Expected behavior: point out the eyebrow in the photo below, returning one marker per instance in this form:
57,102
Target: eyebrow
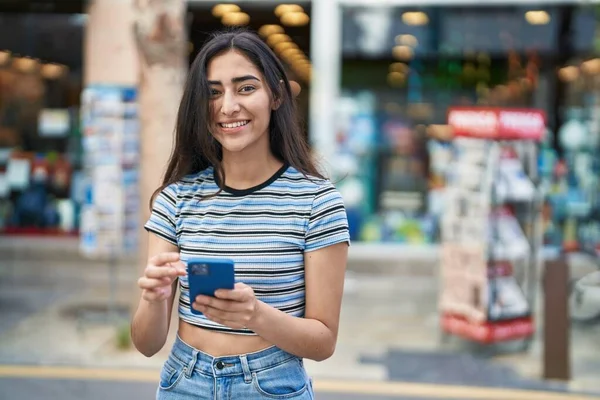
237,79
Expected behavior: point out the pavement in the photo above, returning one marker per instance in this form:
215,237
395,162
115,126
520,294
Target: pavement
54,306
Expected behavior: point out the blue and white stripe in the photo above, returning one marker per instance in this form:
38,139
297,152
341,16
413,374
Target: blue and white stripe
265,230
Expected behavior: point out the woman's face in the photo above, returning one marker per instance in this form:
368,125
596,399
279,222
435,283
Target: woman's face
240,104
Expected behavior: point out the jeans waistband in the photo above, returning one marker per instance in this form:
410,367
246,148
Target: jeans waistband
243,364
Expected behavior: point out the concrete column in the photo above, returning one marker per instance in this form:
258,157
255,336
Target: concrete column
326,32
110,54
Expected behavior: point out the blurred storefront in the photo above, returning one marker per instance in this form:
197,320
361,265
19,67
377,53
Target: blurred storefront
54,55
398,68
383,77
40,141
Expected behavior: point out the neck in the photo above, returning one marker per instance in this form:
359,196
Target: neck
242,172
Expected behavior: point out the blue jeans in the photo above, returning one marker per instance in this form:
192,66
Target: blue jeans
189,373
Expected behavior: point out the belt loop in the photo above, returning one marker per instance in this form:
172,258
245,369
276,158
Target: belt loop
191,364
246,369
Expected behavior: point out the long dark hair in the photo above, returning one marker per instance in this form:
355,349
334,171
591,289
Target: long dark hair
195,148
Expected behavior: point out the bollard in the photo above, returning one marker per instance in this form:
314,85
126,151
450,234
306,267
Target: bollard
557,360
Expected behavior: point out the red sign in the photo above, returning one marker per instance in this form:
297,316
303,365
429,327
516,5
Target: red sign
497,123
488,332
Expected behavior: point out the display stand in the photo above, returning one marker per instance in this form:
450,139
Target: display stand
110,213
489,228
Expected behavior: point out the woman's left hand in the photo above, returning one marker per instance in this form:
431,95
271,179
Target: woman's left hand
233,308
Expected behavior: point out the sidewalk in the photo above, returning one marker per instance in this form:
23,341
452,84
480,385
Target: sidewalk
388,331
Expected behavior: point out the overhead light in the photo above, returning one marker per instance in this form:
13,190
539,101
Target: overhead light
568,74
303,62
402,52
291,52
53,71
235,19
295,18
220,10
408,40
278,38
591,67
283,46
537,17
267,30
396,78
298,59
4,56
287,8
303,67
25,64
415,18
399,67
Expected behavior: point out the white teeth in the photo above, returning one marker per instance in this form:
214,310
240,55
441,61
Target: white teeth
234,124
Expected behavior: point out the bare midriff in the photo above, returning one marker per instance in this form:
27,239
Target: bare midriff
218,344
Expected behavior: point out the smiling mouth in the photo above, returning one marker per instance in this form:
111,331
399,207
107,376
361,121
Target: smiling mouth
234,124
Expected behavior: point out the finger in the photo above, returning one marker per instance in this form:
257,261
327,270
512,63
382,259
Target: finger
219,304
240,292
223,321
161,272
164,258
180,266
149,283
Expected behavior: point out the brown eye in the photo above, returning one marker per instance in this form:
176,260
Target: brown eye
247,89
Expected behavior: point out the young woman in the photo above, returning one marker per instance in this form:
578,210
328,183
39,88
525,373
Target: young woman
241,185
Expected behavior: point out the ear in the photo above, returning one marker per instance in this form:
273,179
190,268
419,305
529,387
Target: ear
296,89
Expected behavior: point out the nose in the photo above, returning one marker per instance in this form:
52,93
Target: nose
229,105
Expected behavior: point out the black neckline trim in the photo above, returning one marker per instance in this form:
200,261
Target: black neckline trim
245,192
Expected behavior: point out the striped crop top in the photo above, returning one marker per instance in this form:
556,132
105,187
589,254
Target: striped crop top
265,230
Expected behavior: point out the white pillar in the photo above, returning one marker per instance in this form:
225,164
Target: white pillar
326,32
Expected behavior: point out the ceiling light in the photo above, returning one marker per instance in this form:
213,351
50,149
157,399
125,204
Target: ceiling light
283,46
53,71
298,59
220,10
402,52
287,8
25,64
408,40
568,74
235,19
278,38
399,67
295,19
591,67
396,78
4,56
537,17
291,52
268,30
415,18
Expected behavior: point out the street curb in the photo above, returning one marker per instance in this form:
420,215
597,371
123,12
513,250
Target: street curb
378,388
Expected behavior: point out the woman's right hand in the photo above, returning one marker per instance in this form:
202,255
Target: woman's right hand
159,275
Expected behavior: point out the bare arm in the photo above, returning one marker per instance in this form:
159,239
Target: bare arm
150,324
314,336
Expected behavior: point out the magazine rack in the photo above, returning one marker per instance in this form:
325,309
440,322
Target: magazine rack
490,232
